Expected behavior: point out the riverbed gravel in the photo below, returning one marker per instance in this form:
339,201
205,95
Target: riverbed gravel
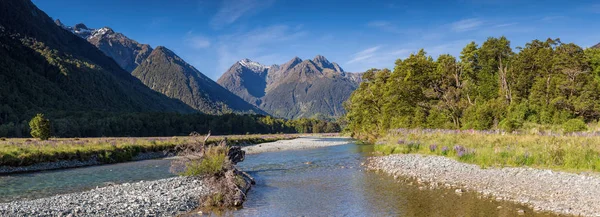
543,190
296,144
64,164
165,197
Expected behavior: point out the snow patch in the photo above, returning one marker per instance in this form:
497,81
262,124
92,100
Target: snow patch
254,66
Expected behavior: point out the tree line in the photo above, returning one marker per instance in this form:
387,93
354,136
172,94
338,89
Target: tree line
100,124
487,87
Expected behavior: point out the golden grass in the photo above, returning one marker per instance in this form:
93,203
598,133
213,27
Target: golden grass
22,152
559,152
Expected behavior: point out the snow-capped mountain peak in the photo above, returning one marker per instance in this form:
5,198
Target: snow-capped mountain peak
84,32
254,66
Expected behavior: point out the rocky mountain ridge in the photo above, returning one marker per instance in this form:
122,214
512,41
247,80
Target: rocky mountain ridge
295,89
163,71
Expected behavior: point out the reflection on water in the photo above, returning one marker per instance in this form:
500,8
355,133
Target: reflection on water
48,183
336,185
332,184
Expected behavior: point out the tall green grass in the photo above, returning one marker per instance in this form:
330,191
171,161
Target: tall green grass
23,152
563,152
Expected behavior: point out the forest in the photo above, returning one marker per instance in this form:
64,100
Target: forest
101,124
492,86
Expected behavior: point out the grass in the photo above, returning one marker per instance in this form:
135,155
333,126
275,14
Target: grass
572,153
23,152
213,162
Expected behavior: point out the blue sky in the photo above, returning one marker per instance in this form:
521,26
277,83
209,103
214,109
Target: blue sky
212,35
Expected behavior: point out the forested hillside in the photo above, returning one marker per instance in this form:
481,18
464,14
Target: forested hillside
44,68
170,75
487,87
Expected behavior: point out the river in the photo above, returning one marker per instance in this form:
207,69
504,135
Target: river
316,182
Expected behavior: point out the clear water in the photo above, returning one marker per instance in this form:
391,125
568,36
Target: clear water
332,184
335,184
48,183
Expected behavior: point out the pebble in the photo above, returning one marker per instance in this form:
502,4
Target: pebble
297,144
543,190
73,163
169,197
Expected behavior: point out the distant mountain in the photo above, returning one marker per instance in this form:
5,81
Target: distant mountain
596,46
298,88
167,73
163,71
44,68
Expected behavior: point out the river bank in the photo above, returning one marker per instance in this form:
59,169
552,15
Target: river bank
24,155
165,197
296,144
543,190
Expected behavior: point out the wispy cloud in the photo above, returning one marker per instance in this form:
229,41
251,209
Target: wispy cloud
552,18
260,44
385,26
232,10
506,24
466,25
196,41
364,55
595,8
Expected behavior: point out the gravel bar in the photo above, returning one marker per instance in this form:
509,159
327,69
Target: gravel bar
296,144
543,190
64,164
165,197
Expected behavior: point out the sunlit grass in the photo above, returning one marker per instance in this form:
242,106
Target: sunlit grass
22,152
559,152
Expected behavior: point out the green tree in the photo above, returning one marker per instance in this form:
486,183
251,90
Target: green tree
593,57
40,127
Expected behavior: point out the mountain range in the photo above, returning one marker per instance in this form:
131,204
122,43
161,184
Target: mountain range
49,67
596,46
249,87
163,71
296,89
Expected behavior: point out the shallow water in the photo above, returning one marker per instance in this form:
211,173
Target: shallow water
332,184
335,184
53,182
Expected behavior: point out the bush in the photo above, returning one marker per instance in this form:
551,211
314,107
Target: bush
510,125
213,162
40,127
574,125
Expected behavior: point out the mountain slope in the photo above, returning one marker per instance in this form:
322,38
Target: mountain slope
44,68
167,73
295,89
163,71
596,46
126,52
247,82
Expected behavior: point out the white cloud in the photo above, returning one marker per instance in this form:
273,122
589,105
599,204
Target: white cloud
196,41
385,26
552,18
232,10
364,55
506,24
466,25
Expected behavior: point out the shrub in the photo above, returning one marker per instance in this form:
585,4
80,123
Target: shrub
40,127
574,125
213,162
510,125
